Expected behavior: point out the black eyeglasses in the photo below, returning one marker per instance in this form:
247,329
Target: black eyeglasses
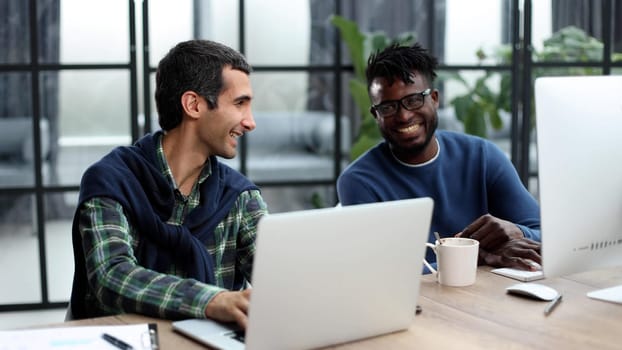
409,102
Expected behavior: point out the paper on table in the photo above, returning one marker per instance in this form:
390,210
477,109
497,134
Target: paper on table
139,336
521,275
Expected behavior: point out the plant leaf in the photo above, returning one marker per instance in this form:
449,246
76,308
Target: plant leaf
354,40
358,90
474,122
495,118
462,105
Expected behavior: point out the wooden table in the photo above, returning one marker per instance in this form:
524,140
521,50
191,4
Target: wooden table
477,317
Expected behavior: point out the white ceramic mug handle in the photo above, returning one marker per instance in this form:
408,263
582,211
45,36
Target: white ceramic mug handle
426,263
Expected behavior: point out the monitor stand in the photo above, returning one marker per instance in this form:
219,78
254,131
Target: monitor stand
612,294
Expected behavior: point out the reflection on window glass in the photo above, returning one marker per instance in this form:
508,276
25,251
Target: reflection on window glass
17,166
93,117
541,23
14,32
218,20
471,38
266,30
15,92
94,103
74,156
269,44
322,33
169,23
59,208
49,24
289,198
100,38
19,245
16,137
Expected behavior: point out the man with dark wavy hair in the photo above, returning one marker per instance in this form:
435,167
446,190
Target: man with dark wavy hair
476,189
162,227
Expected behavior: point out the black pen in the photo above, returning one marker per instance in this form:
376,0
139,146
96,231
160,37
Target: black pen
117,342
549,308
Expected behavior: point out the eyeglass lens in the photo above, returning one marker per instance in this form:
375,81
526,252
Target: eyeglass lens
410,102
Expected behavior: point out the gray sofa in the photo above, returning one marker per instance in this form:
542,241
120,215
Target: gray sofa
288,146
294,146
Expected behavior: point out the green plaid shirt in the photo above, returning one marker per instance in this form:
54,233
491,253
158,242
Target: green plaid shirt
118,284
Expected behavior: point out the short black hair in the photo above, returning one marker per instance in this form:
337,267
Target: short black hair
398,62
193,65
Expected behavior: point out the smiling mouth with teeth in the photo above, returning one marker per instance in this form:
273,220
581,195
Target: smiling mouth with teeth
411,128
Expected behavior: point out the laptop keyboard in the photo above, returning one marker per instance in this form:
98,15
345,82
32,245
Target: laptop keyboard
237,335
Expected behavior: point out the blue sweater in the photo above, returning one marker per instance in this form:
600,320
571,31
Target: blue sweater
469,178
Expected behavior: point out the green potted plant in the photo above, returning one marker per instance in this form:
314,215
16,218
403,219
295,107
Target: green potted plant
479,107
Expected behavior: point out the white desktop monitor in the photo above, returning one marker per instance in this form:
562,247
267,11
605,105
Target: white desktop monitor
579,134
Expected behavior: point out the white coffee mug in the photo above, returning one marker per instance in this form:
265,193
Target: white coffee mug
456,261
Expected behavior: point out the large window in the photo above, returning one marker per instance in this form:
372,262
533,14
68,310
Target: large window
77,79
69,94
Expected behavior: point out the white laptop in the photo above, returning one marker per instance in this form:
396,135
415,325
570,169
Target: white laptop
329,276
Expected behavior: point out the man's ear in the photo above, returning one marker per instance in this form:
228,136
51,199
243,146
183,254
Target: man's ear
434,96
373,113
190,102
